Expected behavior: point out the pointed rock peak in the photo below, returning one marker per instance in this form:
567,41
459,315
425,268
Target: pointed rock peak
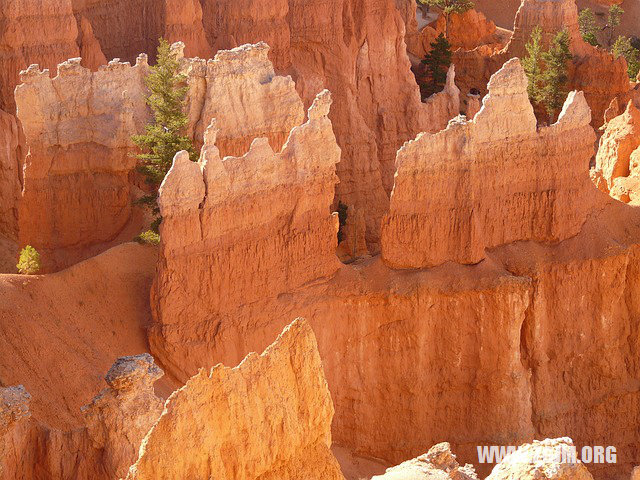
321,105
575,111
183,187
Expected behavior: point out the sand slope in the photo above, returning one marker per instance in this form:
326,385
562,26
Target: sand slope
60,333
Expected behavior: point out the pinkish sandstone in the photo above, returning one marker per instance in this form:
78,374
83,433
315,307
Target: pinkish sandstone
240,89
618,156
12,151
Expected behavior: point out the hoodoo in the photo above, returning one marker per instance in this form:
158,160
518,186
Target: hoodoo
436,223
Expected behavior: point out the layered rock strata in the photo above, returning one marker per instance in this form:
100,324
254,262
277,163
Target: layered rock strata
501,166
277,233
267,418
76,192
33,31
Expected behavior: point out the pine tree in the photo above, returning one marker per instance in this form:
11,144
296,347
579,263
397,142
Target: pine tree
448,7
613,20
29,261
588,26
532,65
556,74
623,47
164,137
437,63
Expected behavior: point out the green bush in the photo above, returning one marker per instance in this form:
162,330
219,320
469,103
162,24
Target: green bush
29,261
148,238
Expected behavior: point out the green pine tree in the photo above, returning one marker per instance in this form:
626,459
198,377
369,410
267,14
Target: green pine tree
588,26
623,47
437,63
556,74
448,7
613,20
164,137
532,64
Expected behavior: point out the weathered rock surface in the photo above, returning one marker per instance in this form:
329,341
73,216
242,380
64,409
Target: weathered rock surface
618,155
116,422
12,151
438,464
593,71
277,233
60,333
231,23
120,416
77,198
537,461
267,418
33,31
240,89
502,166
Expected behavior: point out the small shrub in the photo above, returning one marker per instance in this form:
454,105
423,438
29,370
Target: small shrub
29,261
148,238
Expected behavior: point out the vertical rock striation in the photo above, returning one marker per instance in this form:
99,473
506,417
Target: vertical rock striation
497,166
240,229
269,418
78,127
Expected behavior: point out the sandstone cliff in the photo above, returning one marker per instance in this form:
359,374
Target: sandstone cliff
240,89
268,418
501,166
12,151
618,158
277,233
482,338
593,71
33,31
77,198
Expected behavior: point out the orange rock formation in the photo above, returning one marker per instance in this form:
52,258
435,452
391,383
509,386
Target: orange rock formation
269,418
278,232
618,158
496,163
77,197
593,71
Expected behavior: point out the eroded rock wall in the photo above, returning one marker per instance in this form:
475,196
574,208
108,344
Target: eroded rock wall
239,88
240,229
592,70
272,417
76,195
12,151
33,31
500,166
617,167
